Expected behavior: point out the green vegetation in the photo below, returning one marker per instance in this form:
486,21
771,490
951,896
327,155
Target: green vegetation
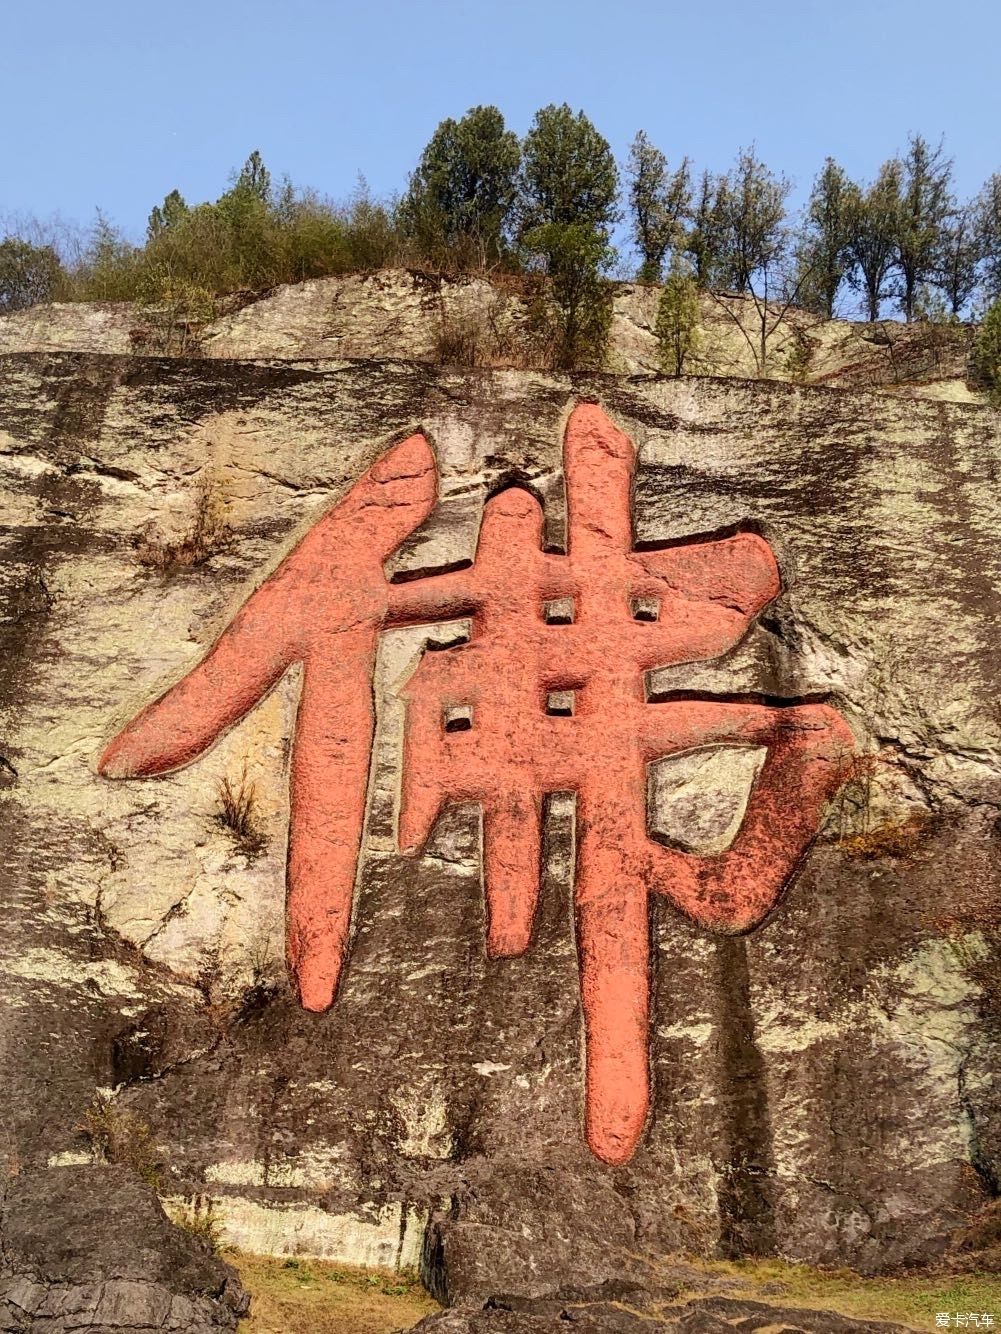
543,210
460,199
299,1296
987,353
28,274
678,321
566,210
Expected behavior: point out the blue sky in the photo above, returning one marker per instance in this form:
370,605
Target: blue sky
112,104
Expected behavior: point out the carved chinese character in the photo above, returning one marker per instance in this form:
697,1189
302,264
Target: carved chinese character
548,695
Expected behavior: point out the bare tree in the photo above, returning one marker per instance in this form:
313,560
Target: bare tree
749,206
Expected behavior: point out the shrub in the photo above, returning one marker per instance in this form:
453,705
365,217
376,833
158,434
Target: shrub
117,1135
987,354
678,321
198,1219
28,274
171,310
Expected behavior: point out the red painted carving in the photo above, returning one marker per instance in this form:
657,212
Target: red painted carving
526,708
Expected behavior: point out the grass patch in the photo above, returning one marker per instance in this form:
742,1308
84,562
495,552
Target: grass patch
300,1296
911,1300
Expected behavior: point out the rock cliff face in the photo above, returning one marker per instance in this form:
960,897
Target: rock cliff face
415,316
822,1087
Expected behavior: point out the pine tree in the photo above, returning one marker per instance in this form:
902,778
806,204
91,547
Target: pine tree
660,201
874,225
825,246
926,204
460,197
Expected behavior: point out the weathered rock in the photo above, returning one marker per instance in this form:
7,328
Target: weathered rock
91,1248
823,1088
421,316
619,1309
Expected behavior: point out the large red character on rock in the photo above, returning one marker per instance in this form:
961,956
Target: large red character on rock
548,695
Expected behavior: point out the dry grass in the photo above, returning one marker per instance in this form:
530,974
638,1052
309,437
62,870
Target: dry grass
198,1218
900,838
912,1300
313,1297
459,342
206,536
238,812
119,1136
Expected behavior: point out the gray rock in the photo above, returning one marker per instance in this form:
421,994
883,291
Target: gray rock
823,1088
91,1248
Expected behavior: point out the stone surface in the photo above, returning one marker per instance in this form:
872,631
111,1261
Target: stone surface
822,1088
618,1307
91,1248
410,315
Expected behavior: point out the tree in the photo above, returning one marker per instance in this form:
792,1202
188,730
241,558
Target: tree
460,197
255,178
568,174
987,222
704,244
575,319
959,261
167,215
29,274
874,224
567,206
752,213
825,245
752,237
660,201
678,320
987,353
926,204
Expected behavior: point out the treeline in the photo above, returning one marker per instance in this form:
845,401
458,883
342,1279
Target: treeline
546,207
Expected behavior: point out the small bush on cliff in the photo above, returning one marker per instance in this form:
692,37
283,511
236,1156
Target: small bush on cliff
206,536
117,1135
987,354
238,812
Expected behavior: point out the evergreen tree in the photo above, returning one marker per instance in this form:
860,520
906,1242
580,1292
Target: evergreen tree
751,207
926,204
460,197
825,246
167,215
959,262
660,201
678,320
874,218
569,187
704,245
255,178
568,174
987,223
